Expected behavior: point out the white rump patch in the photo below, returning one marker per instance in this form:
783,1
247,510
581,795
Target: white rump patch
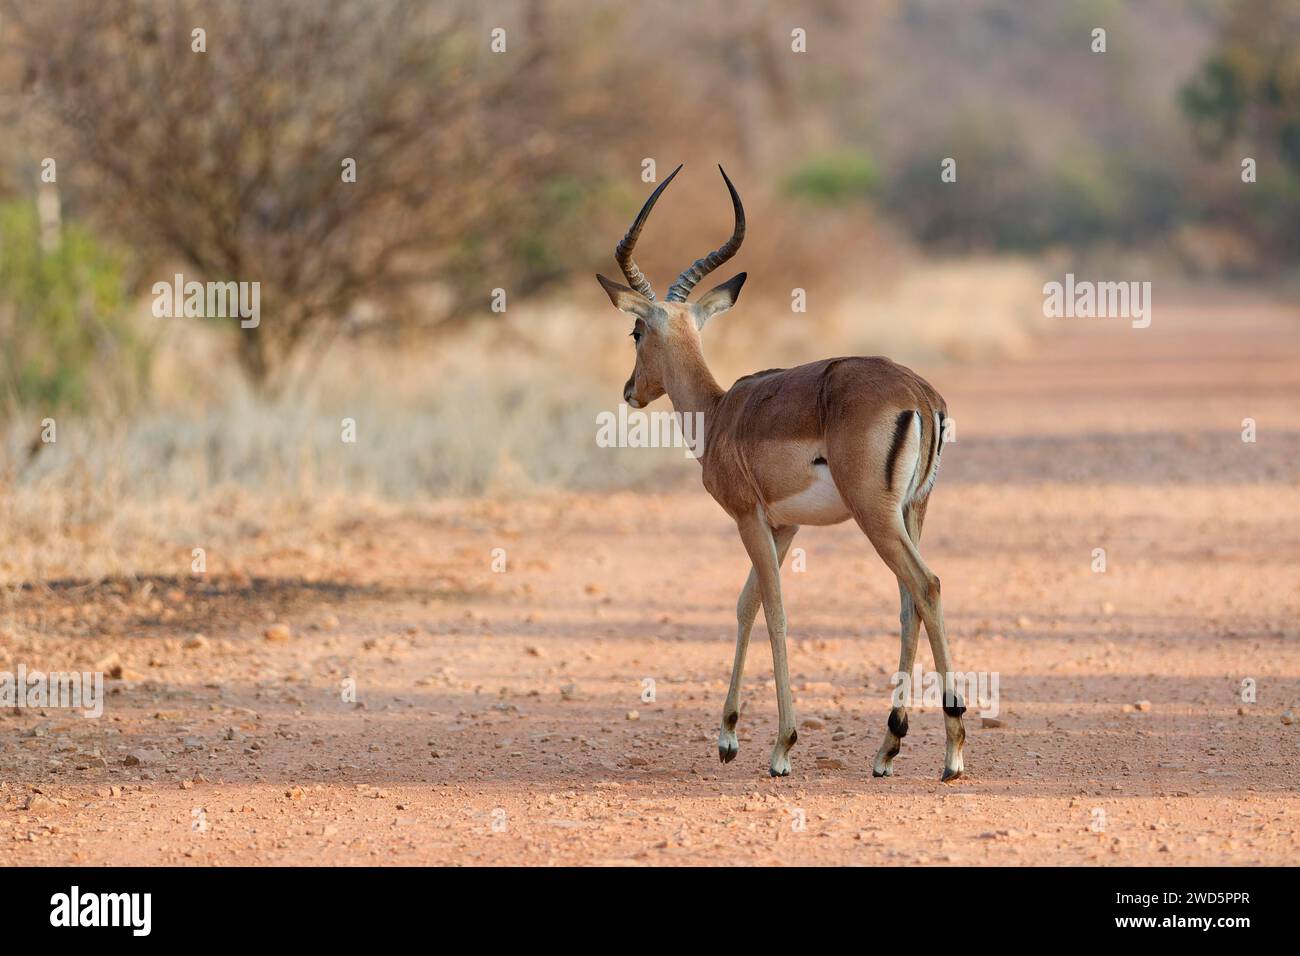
912,446
930,478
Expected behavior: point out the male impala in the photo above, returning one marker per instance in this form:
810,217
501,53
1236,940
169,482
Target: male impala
818,444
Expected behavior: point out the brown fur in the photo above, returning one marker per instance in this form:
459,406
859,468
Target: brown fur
760,431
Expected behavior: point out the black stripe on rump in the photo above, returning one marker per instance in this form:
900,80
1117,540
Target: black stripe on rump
934,448
900,435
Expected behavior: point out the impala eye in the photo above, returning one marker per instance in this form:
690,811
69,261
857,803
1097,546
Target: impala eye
636,336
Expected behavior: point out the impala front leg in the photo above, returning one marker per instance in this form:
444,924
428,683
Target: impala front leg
761,545
746,611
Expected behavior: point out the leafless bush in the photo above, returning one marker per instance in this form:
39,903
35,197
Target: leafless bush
230,161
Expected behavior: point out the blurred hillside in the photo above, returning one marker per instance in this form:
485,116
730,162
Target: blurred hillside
502,146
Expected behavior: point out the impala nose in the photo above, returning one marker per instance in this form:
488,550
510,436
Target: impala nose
627,397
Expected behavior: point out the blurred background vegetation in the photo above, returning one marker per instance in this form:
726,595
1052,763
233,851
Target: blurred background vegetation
518,170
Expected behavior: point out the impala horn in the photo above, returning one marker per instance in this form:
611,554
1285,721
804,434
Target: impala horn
623,251
702,267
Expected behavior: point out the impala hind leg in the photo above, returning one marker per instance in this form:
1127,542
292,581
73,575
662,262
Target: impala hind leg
746,611
910,623
897,550
761,546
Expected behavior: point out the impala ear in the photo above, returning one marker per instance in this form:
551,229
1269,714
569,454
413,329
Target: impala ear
719,299
624,298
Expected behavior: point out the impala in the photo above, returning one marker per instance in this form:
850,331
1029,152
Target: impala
814,445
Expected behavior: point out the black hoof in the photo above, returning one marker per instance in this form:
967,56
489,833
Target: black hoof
881,773
949,775
727,755
772,772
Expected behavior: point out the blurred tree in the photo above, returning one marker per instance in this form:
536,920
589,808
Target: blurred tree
230,161
1247,95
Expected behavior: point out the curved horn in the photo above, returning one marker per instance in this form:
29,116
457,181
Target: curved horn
702,267
623,251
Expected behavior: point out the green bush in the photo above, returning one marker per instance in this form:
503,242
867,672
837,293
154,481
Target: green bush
1008,197
63,317
833,178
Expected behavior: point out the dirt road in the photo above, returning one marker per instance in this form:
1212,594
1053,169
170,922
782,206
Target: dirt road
498,717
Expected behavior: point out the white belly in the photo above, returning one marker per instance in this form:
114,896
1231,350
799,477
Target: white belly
818,504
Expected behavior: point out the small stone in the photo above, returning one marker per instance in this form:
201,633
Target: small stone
1288,718
138,758
277,632
38,802
830,763
812,723
633,715
991,722
195,642
1142,706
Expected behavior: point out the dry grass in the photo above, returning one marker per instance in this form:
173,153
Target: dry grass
508,408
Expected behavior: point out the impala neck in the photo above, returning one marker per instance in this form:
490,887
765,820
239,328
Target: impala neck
691,385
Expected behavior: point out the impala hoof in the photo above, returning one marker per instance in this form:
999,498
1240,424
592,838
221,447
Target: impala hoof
779,765
728,745
949,775
883,766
